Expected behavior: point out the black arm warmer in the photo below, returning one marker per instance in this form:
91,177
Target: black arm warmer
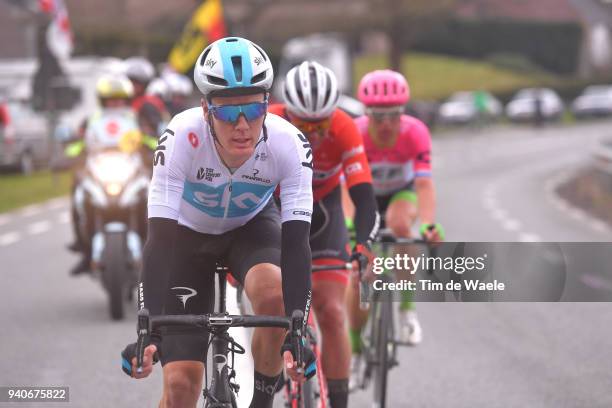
158,256
296,266
367,219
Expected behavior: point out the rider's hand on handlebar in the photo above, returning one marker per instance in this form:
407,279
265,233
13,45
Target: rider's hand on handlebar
432,232
362,258
309,367
128,360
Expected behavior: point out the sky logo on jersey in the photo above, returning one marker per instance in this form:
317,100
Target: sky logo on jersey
243,199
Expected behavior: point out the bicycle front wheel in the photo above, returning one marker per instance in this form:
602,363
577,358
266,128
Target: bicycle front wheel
383,344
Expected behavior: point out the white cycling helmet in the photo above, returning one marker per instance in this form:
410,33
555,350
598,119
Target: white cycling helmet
233,65
139,69
178,84
311,91
159,87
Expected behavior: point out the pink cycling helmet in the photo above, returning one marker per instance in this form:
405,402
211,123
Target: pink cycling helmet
383,88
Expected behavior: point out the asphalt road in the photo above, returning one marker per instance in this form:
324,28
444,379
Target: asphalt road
493,185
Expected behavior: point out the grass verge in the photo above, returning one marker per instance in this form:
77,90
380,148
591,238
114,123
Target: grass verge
18,190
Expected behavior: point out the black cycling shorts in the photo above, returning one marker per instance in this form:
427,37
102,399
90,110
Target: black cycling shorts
192,284
383,201
329,237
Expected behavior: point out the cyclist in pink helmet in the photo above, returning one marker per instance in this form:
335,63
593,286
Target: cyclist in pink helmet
384,88
398,149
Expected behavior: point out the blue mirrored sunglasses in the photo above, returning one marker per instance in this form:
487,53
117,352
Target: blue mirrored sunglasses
231,113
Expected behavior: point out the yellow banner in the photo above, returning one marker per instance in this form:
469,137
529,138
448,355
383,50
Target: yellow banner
205,25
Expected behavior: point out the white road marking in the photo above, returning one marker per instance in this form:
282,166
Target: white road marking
510,224
576,214
39,227
600,226
30,210
527,237
9,238
499,214
57,203
488,201
63,217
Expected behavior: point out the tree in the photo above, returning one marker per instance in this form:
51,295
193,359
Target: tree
403,21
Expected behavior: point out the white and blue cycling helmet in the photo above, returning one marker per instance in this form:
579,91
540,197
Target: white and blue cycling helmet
233,65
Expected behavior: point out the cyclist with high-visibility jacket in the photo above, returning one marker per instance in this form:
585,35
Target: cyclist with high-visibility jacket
108,127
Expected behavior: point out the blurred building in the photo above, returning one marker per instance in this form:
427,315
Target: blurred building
17,30
538,10
595,17
136,14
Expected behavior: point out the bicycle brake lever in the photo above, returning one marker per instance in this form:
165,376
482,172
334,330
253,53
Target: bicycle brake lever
143,333
297,321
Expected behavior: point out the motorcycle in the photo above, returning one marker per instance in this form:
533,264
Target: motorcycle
113,196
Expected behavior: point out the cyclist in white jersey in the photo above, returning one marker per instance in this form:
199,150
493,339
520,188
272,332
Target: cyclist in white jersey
215,169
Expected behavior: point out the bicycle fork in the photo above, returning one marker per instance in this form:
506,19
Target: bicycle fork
220,394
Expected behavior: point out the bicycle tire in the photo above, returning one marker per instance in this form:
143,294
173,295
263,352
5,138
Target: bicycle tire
381,367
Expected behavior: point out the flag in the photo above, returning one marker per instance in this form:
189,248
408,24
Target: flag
206,25
59,33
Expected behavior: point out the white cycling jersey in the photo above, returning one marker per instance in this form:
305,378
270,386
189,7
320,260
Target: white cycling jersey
191,184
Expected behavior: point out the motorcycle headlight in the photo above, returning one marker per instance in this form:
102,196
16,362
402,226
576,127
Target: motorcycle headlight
113,189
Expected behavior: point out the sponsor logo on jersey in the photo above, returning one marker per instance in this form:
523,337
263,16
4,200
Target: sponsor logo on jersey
255,178
159,157
208,174
353,168
306,145
352,152
302,212
424,157
261,156
193,139
221,201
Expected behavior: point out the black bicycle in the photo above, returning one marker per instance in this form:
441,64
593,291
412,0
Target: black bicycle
221,393
379,343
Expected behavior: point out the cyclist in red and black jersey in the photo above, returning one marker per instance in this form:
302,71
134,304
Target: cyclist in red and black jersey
311,97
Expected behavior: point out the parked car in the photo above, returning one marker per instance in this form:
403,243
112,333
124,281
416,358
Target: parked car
595,100
25,142
462,107
524,105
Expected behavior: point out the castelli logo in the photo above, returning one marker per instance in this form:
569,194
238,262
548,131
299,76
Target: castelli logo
112,128
193,139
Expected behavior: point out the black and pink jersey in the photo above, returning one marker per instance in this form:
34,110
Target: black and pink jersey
395,168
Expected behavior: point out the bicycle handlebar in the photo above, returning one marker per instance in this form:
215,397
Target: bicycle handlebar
219,320
146,324
386,236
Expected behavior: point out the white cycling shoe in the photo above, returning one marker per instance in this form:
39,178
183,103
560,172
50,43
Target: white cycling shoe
411,332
